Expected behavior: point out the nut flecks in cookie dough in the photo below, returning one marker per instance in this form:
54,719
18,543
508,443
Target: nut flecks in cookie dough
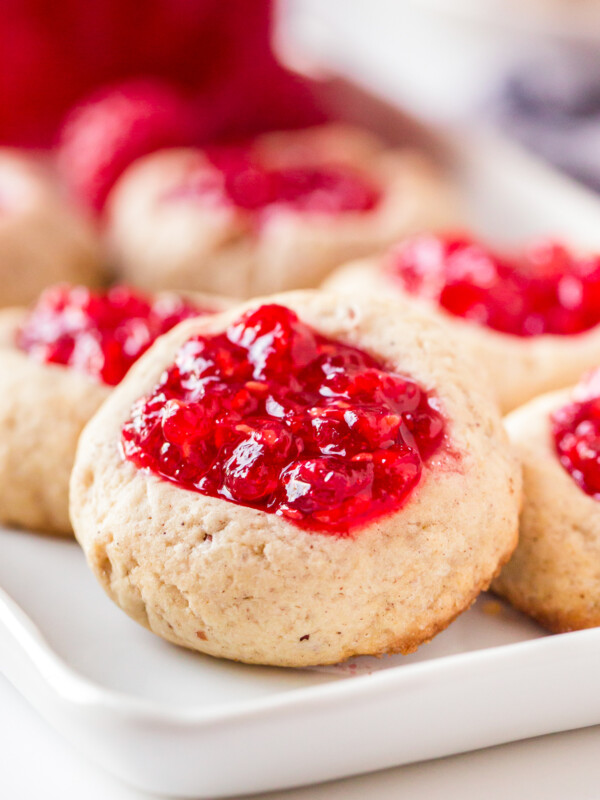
240,180
272,415
99,333
546,290
576,432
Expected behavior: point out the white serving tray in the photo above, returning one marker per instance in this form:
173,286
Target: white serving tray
174,722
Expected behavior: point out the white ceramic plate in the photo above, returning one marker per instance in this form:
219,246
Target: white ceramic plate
170,721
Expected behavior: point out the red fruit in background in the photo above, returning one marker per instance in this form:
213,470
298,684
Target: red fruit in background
265,98
55,53
105,133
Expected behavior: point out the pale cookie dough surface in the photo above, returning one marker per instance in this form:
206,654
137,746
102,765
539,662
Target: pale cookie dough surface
43,409
554,574
244,584
518,368
162,241
42,240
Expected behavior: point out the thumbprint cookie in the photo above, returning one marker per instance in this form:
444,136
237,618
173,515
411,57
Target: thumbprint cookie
297,481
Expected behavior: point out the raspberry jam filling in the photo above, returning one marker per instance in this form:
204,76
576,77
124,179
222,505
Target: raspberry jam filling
100,333
576,431
547,290
240,180
272,415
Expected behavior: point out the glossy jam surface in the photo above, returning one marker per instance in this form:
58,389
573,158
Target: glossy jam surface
99,333
547,290
576,432
240,180
272,415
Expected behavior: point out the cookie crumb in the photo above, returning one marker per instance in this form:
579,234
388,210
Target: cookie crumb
492,607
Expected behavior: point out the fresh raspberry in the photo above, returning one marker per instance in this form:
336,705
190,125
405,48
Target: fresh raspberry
103,135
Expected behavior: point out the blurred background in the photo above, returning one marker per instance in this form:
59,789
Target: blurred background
528,67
